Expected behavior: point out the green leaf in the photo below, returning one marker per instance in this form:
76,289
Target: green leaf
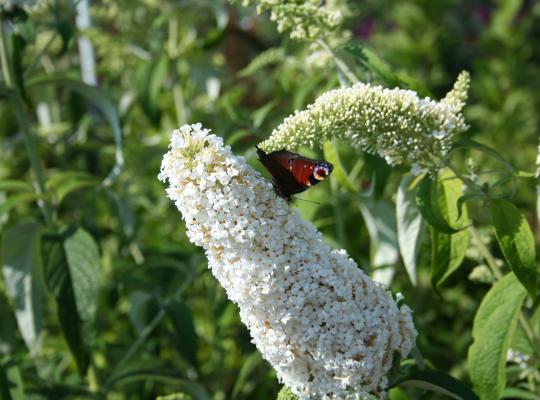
11,383
409,225
438,381
175,396
64,182
59,283
493,328
101,102
516,241
180,316
8,327
519,394
381,225
382,69
378,171
372,62
448,251
332,156
258,116
251,363
15,200
427,201
82,256
194,389
149,81
22,266
15,185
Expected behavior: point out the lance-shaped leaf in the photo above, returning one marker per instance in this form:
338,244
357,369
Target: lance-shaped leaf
83,260
516,241
381,225
22,266
448,250
58,281
426,200
493,328
409,225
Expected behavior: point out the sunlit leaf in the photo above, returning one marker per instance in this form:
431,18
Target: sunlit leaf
448,250
409,225
493,328
65,182
427,201
332,156
251,363
381,225
15,200
516,241
22,266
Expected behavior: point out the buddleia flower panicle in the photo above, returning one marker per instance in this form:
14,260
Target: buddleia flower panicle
329,331
306,20
395,124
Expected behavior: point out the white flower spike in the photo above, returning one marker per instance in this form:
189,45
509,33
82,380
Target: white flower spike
329,331
396,124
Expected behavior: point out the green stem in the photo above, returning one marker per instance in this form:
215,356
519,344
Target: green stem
6,69
340,64
43,203
36,61
135,347
22,117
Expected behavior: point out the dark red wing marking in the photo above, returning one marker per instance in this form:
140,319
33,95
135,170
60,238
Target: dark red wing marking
283,179
291,172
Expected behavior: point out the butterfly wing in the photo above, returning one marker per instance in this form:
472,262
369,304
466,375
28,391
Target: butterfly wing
279,163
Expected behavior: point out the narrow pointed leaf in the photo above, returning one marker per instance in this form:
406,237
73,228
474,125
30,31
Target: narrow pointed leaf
182,320
381,224
409,225
332,156
516,241
59,285
493,328
22,267
440,382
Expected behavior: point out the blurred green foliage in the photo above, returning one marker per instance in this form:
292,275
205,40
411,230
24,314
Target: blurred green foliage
154,321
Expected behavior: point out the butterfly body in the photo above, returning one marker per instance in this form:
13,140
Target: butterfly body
293,173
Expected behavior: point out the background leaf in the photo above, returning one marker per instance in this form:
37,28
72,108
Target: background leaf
82,256
22,267
409,225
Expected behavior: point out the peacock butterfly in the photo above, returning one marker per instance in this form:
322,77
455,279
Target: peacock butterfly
293,173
